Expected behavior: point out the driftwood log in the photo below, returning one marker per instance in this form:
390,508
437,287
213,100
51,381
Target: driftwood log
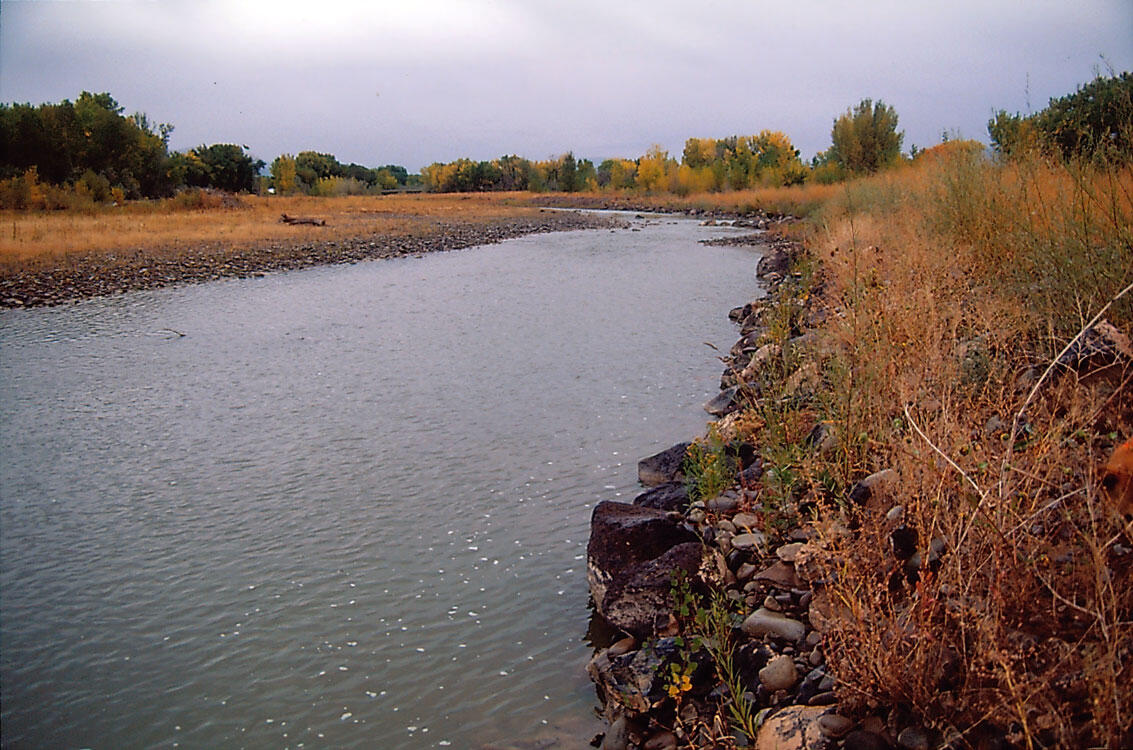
302,220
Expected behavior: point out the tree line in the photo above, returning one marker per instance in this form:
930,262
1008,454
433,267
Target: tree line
57,155
72,154
1094,122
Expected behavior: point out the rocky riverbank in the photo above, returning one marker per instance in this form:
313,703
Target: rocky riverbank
95,275
721,607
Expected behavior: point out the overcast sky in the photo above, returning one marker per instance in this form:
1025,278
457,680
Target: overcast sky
415,81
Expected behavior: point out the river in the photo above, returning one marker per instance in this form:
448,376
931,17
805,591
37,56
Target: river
345,506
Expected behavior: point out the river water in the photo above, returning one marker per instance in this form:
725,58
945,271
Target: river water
340,507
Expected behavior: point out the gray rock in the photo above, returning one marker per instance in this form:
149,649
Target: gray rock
724,403
752,540
747,521
639,601
759,360
624,681
624,536
776,262
779,674
617,736
722,504
834,725
666,466
667,496
787,552
877,484
765,622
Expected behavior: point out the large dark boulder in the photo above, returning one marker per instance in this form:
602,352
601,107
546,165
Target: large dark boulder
666,466
640,600
668,496
624,536
776,261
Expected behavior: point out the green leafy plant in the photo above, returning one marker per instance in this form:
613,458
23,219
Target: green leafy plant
708,468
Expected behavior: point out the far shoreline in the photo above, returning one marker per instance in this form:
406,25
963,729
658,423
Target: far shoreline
88,275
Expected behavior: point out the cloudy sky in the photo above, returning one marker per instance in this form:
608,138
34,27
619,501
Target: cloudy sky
415,81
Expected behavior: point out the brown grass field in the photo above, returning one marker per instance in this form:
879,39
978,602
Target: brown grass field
947,290
165,228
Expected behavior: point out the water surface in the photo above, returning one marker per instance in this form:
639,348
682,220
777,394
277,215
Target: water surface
339,507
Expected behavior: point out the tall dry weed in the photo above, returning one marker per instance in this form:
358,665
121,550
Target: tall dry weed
998,595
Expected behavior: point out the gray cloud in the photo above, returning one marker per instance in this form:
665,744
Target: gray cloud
410,83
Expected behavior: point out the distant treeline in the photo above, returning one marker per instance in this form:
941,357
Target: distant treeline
87,151
1096,122
737,162
84,152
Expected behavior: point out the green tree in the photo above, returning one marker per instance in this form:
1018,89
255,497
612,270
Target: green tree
64,141
1097,119
568,173
866,138
313,166
224,166
284,177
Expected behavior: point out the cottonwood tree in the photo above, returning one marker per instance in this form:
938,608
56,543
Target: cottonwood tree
866,138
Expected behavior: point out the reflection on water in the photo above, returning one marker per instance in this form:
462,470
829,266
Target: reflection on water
348,506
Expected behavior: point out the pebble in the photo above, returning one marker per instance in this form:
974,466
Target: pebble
823,699
815,658
722,504
727,526
834,725
779,674
746,521
787,552
748,541
896,514
914,738
696,515
745,571
765,622
617,736
770,603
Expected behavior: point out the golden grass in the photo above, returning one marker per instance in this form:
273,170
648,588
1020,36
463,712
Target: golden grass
162,228
949,287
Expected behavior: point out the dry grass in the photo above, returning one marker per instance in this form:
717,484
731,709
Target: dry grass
950,286
168,227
